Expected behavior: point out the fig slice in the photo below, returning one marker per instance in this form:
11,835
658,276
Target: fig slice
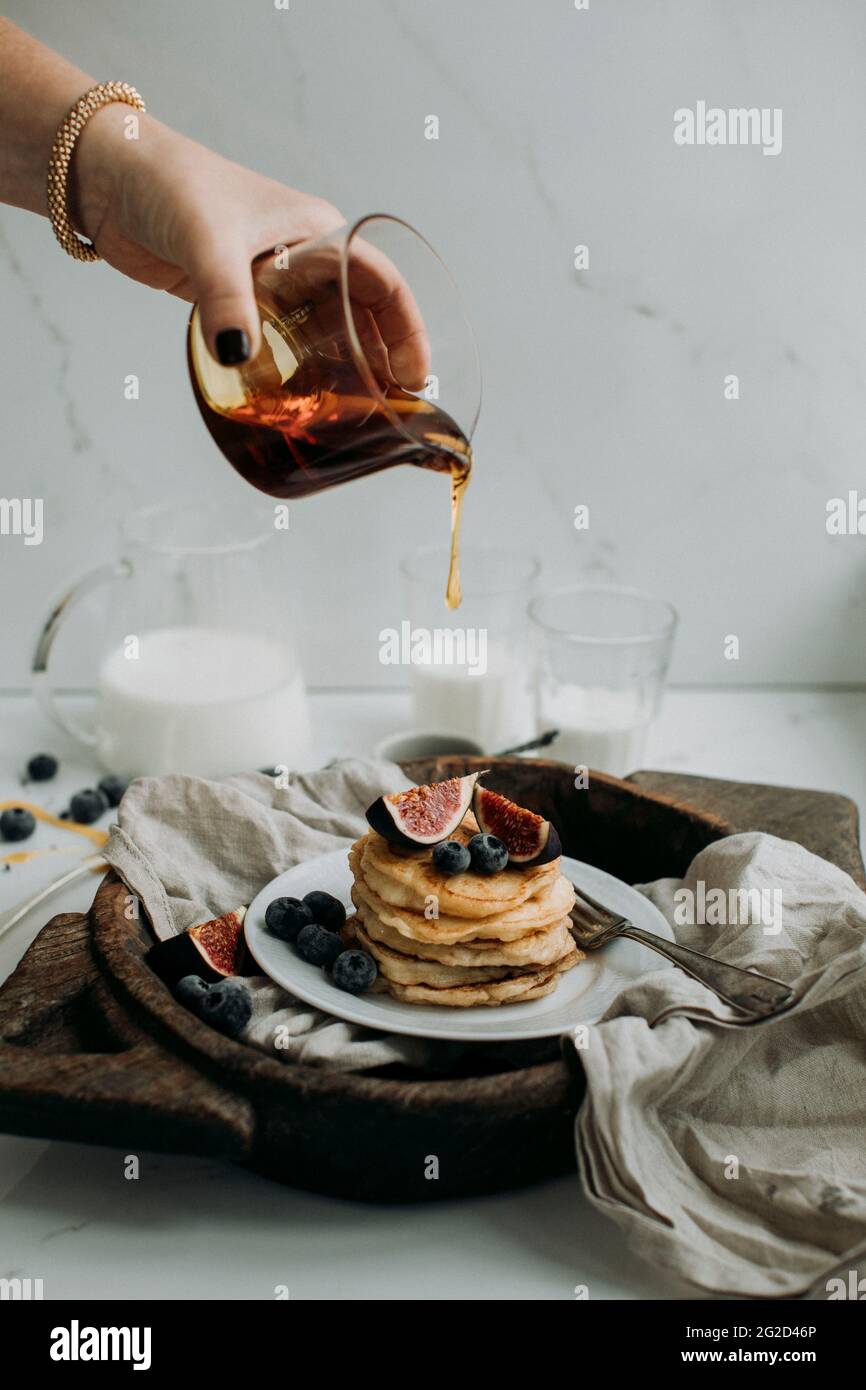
423,815
529,838
213,950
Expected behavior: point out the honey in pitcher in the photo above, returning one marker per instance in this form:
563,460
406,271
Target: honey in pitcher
304,415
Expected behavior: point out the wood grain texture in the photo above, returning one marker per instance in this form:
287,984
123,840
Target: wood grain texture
73,1064
95,1048
824,822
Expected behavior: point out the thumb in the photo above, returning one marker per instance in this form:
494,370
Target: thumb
222,283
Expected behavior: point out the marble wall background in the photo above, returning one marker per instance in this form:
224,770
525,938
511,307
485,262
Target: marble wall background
606,387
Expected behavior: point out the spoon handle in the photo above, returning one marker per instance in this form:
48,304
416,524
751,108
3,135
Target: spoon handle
8,920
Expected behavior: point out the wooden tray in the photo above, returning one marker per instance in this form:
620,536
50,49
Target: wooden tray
93,1048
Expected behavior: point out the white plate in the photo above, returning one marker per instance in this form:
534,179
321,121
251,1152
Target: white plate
581,996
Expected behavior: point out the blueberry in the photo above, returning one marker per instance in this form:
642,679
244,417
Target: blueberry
327,910
190,991
489,854
318,945
42,767
113,788
88,806
226,1006
17,824
354,971
285,917
450,857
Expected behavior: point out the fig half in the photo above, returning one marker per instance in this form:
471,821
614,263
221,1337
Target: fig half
529,839
423,815
213,950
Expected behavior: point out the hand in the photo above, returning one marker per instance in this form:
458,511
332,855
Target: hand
174,215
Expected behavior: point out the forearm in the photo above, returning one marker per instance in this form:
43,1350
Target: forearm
169,212
37,90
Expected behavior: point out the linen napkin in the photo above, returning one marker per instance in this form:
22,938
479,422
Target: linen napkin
732,1155
735,1155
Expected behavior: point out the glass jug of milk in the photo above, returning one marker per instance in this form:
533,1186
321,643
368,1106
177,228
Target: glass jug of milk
198,672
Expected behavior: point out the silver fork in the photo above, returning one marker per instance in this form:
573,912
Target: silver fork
756,995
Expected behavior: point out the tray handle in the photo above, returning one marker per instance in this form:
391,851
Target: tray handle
73,1066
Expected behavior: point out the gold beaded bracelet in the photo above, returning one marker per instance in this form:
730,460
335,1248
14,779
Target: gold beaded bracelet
61,155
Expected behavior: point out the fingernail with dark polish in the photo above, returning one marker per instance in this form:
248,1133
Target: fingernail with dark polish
233,346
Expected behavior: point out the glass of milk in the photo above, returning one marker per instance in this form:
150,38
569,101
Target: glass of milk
602,655
469,668
198,672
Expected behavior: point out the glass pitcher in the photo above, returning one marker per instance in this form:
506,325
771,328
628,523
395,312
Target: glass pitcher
322,401
198,672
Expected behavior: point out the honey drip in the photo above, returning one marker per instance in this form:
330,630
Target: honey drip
23,856
459,483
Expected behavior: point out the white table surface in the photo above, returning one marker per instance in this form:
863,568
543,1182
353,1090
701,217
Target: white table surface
192,1228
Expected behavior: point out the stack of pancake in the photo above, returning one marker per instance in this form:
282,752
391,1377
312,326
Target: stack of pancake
498,939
